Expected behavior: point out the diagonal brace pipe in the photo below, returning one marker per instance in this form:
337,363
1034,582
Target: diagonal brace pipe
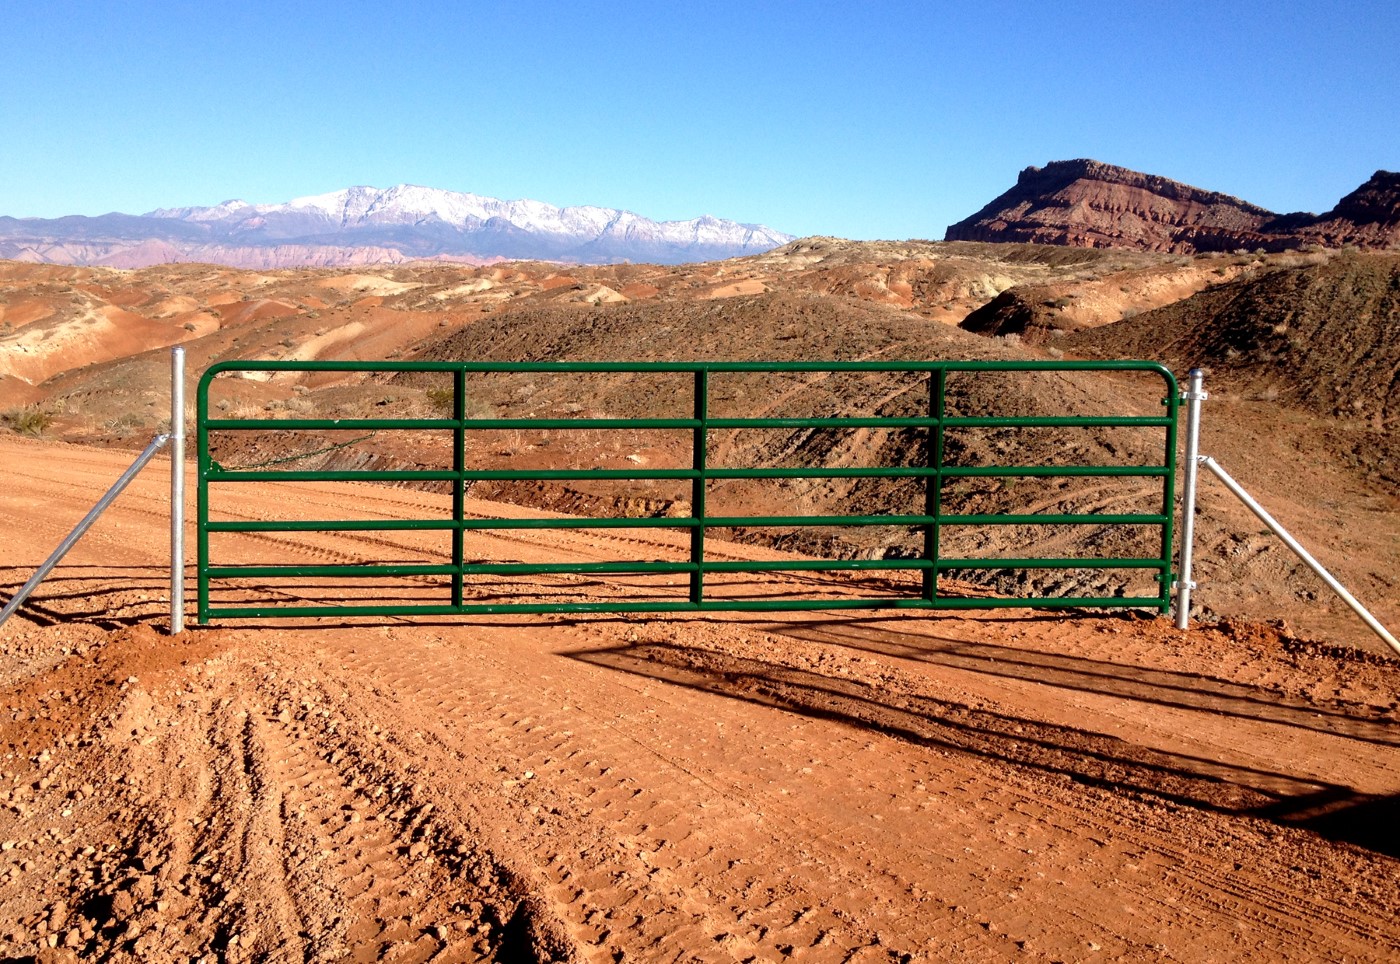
156,444
1209,463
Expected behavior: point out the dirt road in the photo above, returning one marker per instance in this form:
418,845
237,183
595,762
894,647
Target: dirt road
815,787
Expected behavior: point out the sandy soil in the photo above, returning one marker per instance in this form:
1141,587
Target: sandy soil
815,787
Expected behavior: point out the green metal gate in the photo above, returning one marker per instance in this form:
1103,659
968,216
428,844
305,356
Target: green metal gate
929,429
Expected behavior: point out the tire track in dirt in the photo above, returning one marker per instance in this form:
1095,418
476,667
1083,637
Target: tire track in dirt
728,787
1274,906
651,838
1277,908
274,834
559,544
1203,873
637,880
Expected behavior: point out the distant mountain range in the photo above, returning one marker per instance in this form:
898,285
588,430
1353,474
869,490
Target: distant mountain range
1078,203
1089,204
366,225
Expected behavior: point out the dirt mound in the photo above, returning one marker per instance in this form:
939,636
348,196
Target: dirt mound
1042,312
779,327
1323,336
1029,312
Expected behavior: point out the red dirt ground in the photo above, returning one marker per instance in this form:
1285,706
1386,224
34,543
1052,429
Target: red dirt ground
809,787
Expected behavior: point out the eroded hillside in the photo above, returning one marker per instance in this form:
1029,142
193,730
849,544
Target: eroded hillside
1296,344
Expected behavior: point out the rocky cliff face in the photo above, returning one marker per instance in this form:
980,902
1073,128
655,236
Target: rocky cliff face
1086,203
1367,217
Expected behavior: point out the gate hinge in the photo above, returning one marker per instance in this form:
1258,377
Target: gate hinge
1177,584
1200,396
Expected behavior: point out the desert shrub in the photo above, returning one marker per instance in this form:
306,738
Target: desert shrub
29,420
124,424
441,399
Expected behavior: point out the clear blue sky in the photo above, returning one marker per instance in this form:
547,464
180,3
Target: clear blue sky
858,119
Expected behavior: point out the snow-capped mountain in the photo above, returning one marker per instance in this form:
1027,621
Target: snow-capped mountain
429,221
361,225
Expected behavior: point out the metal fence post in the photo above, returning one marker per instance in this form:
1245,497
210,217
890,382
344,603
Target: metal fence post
177,490
1193,396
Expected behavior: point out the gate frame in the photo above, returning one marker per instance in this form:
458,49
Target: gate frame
930,563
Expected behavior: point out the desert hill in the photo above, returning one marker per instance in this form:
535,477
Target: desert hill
1086,203
1368,216
54,319
1324,337
884,786
84,356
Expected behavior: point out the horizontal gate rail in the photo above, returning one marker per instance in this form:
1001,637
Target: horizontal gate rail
836,472
932,428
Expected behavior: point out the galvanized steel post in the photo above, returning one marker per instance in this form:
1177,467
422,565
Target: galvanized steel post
177,490
1193,396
